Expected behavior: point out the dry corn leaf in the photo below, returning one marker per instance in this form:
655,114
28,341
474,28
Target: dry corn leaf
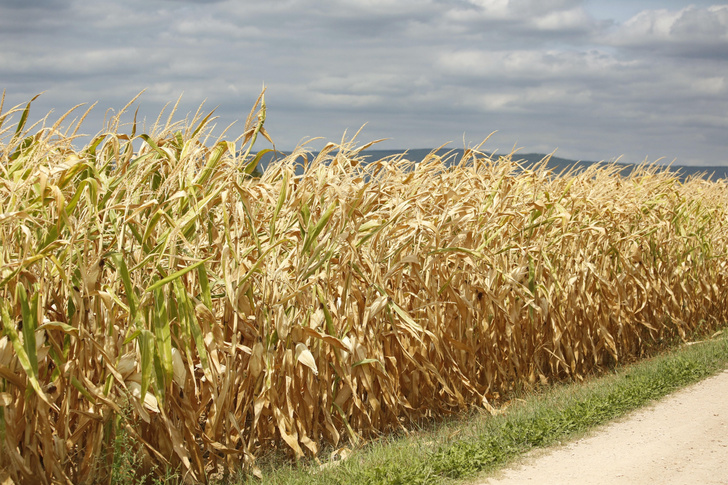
305,357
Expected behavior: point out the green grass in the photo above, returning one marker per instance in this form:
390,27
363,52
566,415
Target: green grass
466,446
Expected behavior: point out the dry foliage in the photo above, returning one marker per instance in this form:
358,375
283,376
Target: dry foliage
231,314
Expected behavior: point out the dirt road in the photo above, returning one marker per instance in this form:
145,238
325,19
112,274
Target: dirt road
682,439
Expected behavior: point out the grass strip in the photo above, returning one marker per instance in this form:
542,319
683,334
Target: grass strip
464,447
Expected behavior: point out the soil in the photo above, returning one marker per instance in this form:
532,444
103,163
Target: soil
682,439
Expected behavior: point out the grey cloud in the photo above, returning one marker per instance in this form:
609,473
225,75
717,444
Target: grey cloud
34,5
690,32
201,2
545,74
518,11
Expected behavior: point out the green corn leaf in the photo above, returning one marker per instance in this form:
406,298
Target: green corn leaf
164,337
72,172
175,275
367,361
251,226
159,377
373,227
30,322
84,392
63,327
191,216
191,326
352,434
212,162
202,124
179,142
125,278
24,116
314,264
257,265
21,353
146,346
154,146
91,150
153,221
305,217
258,127
330,329
133,335
21,150
204,286
250,167
68,209
316,230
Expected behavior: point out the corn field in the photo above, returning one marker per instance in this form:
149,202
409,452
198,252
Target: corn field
150,285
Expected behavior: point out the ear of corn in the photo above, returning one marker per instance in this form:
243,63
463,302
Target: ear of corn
334,301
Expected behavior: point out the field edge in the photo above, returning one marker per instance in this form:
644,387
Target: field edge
476,445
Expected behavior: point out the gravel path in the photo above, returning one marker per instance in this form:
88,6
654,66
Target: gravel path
682,439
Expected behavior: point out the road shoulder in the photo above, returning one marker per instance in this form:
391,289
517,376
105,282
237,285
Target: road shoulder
683,438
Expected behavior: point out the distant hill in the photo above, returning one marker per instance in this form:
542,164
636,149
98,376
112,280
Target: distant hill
556,164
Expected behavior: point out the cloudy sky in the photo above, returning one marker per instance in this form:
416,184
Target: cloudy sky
594,79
